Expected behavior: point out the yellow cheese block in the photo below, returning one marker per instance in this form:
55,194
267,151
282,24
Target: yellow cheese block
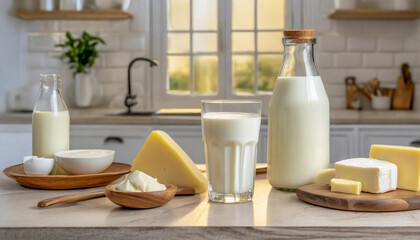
346,186
162,158
324,176
407,160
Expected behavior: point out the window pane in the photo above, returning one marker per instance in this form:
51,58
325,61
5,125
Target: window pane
243,42
243,14
204,14
271,14
205,75
243,73
268,69
204,42
178,42
270,42
179,74
178,14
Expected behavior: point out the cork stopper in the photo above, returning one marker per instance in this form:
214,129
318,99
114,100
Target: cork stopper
299,33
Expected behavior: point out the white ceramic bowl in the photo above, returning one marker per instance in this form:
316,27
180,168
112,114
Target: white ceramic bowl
381,102
85,161
34,165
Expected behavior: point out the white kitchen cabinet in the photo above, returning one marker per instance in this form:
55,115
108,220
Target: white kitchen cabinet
125,140
389,134
346,141
15,142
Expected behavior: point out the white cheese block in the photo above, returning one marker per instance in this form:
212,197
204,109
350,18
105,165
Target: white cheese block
376,176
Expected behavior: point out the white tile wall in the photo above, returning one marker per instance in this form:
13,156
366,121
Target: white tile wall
364,49
125,39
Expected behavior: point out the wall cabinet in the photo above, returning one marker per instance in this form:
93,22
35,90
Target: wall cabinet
346,141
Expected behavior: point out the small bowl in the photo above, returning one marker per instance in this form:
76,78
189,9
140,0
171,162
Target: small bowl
85,161
381,102
33,165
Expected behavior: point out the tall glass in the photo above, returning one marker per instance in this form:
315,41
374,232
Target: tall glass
230,134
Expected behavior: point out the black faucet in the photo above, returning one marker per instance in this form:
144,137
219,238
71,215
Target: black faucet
130,100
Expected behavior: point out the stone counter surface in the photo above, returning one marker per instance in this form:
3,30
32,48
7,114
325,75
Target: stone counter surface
272,214
105,117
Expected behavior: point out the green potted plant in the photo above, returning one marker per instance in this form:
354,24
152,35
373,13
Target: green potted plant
81,54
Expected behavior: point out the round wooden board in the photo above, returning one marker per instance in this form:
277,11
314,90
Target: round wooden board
398,200
115,171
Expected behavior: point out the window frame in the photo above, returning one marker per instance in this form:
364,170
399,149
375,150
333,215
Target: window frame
158,83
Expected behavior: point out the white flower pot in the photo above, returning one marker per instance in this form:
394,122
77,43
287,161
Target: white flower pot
83,89
346,4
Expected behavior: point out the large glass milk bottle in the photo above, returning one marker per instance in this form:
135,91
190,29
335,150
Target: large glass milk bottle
50,120
299,121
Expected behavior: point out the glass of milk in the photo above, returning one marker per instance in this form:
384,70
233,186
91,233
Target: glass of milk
230,134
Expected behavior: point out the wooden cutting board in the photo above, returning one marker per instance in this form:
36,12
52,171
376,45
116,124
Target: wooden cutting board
398,200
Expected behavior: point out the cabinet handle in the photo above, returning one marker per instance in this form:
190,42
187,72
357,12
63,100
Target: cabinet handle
114,139
415,143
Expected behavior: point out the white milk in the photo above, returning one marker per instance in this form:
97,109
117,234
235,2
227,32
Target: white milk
230,141
50,133
298,131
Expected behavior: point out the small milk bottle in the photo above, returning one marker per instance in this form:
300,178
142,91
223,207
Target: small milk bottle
50,121
299,118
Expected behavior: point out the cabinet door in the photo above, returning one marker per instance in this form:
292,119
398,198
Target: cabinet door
125,140
189,138
342,143
15,143
387,134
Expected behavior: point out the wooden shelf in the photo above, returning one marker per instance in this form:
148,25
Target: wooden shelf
374,14
109,14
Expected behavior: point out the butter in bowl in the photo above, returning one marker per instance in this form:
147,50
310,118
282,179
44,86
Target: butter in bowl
85,161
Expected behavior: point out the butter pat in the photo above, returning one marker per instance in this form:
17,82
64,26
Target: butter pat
407,160
324,176
139,182
376,176
161,157
346,186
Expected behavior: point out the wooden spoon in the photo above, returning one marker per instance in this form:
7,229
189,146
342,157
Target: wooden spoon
125,199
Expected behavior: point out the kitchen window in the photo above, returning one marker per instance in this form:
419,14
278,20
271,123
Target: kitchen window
212,49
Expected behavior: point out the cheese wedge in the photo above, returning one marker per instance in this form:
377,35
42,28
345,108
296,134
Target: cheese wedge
407,160
324,176
162,158
376,176
346,186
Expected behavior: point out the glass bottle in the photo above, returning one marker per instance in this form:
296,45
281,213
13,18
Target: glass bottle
50,120
299,121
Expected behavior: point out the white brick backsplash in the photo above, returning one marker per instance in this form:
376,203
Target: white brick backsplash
377,60
390,44
335,90
331,76
348,60
400,58
133,41
411,43
36,59
362,75
415,76
360,43
324,60
338,102
106,75
332,43
43,26
90,26
138,74
122,74
388,75
117,59
349,26
53,60
119,26
112,42
323,25
44,42
113,89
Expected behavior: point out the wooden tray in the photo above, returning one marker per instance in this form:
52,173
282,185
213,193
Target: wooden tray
398,200
115,171
260,168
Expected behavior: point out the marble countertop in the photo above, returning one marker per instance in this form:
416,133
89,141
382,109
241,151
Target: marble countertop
271,214
104,116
